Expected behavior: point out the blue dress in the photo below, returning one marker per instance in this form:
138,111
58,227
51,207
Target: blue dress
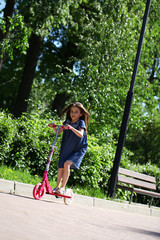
73,148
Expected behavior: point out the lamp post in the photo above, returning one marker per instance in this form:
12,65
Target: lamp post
128,104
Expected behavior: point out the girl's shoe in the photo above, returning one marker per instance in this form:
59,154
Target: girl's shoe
61,191
55,190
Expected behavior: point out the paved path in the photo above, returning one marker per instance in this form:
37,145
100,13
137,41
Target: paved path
24,218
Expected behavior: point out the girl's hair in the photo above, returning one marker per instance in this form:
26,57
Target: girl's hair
85,114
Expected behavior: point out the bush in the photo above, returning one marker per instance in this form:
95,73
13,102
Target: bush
8,130
25,143
96,165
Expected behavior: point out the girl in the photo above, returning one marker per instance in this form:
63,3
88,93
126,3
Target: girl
74,142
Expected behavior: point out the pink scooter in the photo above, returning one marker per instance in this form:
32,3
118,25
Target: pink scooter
44,186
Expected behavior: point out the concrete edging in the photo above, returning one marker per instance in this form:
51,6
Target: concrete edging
26,190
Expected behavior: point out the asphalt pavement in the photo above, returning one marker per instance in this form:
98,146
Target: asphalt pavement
24,218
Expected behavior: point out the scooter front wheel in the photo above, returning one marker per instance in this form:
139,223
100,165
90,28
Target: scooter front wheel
38,191
69,193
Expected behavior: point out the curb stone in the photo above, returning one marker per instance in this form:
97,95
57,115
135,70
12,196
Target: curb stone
26,190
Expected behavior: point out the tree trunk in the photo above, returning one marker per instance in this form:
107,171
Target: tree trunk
25,87
8,12
59,102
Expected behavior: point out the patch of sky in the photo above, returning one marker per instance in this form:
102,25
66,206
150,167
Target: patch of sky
158,104
76,68
2,6
58,44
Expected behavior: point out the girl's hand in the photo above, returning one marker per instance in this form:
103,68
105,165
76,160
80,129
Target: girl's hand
67,126
79,132
52,125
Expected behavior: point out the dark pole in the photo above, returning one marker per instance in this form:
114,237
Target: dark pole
126,113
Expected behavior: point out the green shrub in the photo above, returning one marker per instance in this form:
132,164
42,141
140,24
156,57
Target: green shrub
96,165
8,130
25,143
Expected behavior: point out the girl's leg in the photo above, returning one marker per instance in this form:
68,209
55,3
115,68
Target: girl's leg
66,173
60,176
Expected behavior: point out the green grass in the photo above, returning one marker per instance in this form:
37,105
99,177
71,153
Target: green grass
16,175
23,176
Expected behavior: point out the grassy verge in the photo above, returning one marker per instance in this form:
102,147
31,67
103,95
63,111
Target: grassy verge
16,175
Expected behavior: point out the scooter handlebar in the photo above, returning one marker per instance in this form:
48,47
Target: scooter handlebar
63,127
54,126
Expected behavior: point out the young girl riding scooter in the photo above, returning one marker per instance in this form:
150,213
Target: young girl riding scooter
74,142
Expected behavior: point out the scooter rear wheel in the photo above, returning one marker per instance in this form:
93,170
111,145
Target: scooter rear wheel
38,191
69,192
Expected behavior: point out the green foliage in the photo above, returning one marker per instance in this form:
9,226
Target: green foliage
18,175
17,37
8,129
96,166
25,142
145,143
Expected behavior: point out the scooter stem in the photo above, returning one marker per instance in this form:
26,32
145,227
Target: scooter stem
53,146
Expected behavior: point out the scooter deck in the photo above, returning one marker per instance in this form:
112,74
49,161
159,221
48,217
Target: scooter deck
59,195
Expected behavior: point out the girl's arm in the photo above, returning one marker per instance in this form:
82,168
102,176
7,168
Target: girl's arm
52,125
79,132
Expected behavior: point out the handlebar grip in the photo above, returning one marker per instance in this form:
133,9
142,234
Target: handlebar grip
63,127
54,126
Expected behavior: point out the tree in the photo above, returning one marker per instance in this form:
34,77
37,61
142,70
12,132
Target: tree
33,53
13,33
43,16
99,40
4,32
